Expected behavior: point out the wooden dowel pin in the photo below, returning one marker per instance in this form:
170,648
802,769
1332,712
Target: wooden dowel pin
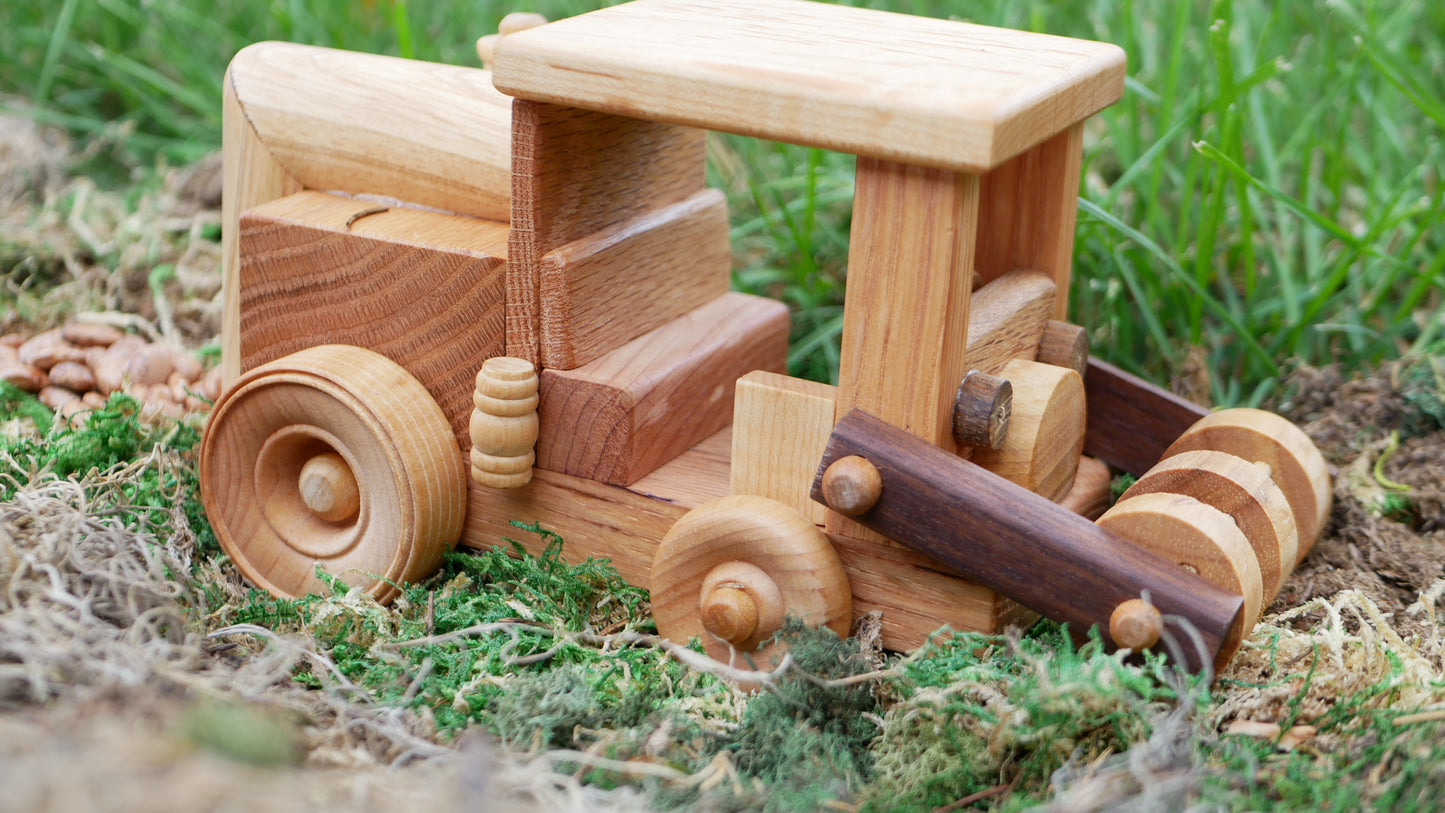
1064,345
851,485
981,410
504,423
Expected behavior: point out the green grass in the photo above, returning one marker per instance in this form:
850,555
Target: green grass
1268,189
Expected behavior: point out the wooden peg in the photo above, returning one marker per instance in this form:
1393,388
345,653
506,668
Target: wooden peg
1135,624
510,24
851,485
1089,495
329,488
1064,345
504,423
981,410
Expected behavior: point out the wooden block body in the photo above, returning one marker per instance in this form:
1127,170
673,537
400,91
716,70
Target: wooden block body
605,289
422,288
909,89
623,415
780,428
576,173
624,525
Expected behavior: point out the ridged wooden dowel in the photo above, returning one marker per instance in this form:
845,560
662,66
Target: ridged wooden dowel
1021,544
504,423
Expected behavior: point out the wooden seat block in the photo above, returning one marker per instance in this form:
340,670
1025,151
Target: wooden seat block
1199,538
580,175
780,428
1046,430
1244,492
1295,465
608,288
422,288
1007,318
914,90
623,415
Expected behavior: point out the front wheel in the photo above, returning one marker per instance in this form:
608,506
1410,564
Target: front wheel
334,456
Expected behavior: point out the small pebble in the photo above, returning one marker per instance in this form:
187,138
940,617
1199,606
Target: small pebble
57,397
151,364
24,376
86,334
72,376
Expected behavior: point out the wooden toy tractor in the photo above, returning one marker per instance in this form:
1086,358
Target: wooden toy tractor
432,269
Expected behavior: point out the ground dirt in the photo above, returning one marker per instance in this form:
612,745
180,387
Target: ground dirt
123,735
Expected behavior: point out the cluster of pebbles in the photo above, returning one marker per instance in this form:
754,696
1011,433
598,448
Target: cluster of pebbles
74,369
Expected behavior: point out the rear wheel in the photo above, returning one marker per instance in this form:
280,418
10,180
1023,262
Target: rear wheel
334,456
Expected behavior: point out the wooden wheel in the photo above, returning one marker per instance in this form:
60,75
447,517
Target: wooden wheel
333,456
1295,465
1045,432
729,572
1203,539
1244,492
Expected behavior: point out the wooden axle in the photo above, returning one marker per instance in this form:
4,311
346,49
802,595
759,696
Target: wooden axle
1023,545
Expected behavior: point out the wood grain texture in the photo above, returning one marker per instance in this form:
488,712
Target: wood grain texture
1201,538
981,410
1264,437
779,562
504,423
908,89
1131,422
915,593
1027,211
1241,490
430,134
361,415
576,173
1065,345
1046,430
422,288
622,416
1018,542
605,289
250,176
905,322
1090,494
780,428
1007,318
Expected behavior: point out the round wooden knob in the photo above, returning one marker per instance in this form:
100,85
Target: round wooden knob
851,485
329,488
1296,466
730,570
1135,624
741,604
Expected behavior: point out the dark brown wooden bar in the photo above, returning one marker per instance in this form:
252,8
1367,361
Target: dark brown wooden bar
1019,543
1131,422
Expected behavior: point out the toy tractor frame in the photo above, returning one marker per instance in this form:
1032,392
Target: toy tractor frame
522,268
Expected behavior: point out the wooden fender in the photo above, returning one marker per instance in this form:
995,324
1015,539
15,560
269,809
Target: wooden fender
332,456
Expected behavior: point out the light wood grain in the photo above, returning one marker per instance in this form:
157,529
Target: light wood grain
906,316
250,176
1296,466
908,89
1199,538
422,132
1090,494
915,594
780,428
609,287
347,413
504,423
1046,430
625,414
422,288
1007,318
728,572
576,173
1064,345
1244,492
1027,211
